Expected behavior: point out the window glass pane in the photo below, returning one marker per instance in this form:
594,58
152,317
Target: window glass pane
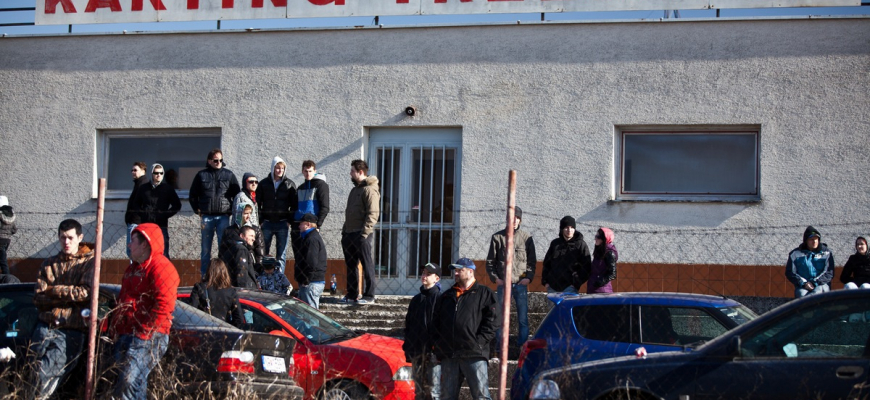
386,252
389,163
432,185
835,330
699,163
428,247
608,323
182,157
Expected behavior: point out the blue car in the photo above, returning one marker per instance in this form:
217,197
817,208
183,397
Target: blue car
593,327
816,347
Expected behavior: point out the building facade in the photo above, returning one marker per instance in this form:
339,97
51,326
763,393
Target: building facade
707,146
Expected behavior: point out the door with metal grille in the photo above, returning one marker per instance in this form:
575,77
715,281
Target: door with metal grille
418,169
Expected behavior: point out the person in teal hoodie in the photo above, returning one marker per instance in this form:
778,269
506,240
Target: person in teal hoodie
810,267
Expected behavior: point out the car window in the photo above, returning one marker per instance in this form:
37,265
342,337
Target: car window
315,326
834,330
610,323
657,326
186,316
259,322
18,315
694,325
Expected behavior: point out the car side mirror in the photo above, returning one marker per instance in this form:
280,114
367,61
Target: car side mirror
734,347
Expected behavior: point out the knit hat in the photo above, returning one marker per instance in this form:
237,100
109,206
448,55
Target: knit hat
248,175
567,221
518,212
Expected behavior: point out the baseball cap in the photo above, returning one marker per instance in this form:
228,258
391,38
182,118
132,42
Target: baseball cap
309,217
463,263
431,268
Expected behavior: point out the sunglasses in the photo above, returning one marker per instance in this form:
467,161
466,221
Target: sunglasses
217,160
157,173
253,182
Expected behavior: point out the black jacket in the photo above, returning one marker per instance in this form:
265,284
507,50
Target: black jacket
213,190
132,212
857,269
418,323
564,259
240,264
156,204
311,260
222,303
276,205
231,237
465,326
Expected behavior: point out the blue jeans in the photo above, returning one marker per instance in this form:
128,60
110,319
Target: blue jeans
801,292
57,352
520,294
281,231
211,224
311,293
476,372
130,228
165,231
136,358
427,378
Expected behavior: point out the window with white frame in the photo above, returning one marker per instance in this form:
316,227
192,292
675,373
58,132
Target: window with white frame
708,164
182,152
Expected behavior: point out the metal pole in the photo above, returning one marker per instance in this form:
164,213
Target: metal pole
506,301
95,295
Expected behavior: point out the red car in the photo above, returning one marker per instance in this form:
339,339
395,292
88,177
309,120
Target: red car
331,361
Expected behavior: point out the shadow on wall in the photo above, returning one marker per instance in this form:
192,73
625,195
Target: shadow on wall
680,214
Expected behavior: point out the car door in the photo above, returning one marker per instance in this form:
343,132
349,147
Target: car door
816,352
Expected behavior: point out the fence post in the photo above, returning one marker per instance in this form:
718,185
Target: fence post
506,301
95,295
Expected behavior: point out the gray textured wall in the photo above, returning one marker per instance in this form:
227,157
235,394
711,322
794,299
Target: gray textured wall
541,99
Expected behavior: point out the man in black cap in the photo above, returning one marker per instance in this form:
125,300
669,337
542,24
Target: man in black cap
418,343
522,273
810,267
310,269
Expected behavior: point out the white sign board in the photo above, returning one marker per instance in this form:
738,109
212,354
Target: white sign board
64,12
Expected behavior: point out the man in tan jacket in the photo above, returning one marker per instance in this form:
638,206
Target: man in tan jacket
360,217
63,291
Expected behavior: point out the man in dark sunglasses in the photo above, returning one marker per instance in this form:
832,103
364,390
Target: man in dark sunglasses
211,197
158,202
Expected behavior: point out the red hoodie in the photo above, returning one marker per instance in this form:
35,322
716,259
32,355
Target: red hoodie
148,290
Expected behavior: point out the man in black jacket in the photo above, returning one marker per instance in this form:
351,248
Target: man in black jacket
310,270
211,197
465,324
418,337
276,199
132,214
240,260
157,203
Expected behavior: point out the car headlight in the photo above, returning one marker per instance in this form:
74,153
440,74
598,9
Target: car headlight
403,374
545,389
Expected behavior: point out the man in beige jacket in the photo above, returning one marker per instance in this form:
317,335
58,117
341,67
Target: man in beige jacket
360,217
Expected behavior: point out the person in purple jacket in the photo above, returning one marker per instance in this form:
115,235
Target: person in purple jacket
603,268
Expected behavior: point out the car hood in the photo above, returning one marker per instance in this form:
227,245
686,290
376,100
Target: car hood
385,347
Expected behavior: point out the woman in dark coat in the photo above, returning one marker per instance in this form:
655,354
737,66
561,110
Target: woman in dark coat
856,272
216,296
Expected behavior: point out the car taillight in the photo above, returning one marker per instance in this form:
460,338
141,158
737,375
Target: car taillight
528,346
236,361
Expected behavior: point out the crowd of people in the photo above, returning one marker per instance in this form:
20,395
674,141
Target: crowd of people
449,335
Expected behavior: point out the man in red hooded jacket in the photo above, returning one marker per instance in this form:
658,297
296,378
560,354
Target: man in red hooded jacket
145,305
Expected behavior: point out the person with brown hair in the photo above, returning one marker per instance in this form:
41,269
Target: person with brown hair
360,218
211,197
216,296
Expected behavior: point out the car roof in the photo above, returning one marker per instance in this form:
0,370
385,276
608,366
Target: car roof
643,298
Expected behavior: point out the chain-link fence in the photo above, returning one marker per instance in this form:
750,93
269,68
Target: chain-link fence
400,249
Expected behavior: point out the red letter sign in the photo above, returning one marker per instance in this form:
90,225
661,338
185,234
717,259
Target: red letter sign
51,6
93,5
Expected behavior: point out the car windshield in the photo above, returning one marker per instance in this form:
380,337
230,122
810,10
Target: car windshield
315,326
739,314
